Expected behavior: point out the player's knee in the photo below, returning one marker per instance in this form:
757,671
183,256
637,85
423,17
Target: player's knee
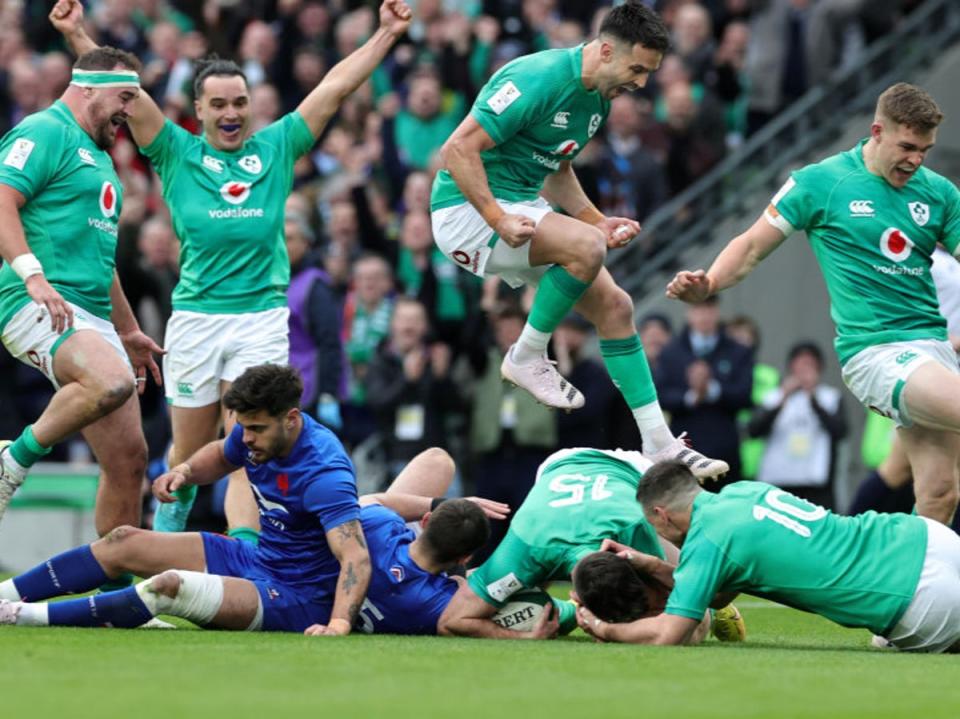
618,306
440,459
593,249
112,393
167,584
121,535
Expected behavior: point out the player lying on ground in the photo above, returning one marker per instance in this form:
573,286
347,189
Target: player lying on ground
873,216
408,588
895,574
581,498
226,191
507,163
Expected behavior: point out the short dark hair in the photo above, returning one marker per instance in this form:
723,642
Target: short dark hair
806,348
610,587
667,484
211,66
657,318
107,58
271,387
456,529
635,23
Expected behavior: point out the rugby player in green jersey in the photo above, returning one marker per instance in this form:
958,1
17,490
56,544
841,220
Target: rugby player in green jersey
62,309
897,575
508,163
226,192
873,215
583,500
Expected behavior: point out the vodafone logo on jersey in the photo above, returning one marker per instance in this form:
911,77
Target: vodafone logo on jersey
895,245
108,199
567,147
235,192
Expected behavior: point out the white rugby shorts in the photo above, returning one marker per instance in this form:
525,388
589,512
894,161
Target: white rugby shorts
464,236
204,349
877,375
29,338
931,622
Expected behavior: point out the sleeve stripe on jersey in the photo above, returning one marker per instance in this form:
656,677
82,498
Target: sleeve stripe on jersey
772,216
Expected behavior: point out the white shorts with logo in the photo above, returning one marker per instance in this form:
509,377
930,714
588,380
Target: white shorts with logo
931,622
29,338
877,375
464,236
204,349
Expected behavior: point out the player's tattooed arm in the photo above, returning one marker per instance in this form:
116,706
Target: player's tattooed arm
350,548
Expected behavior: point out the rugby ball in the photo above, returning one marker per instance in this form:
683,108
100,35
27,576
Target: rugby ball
523,610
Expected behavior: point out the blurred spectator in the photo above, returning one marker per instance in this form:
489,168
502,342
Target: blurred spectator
424,272
510,432
409,387
803,420
315,348
265,105
630,183
159,62
776,64
828,30
115,26
695,135
25,92
730,79
766,378
426,121
258,48
704,378
587,426
55,69
366,322
693,39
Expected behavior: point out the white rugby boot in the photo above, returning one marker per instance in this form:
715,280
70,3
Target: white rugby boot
680,451
541,379
11,477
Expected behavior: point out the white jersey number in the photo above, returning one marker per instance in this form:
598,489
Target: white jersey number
788,515
575,487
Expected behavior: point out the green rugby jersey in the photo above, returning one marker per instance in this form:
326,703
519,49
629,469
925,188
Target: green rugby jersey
539,113
70,218
228,210
580,499
873,243
753,537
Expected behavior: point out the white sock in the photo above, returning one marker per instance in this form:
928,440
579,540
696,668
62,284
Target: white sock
8,591
531,346
653,428
33,615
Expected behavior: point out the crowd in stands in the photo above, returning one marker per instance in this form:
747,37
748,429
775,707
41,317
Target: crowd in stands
399,348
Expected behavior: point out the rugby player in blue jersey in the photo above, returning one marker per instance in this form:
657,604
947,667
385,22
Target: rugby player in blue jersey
311,566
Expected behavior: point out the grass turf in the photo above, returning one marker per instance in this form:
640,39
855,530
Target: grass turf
793,665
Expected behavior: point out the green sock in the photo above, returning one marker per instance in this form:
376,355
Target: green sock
245,534
26,450
557,294
566,615
629,370
114,585
186,494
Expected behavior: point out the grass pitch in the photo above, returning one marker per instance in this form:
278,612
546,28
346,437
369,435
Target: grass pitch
792,665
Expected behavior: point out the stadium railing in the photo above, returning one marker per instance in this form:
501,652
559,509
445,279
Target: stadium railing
689,218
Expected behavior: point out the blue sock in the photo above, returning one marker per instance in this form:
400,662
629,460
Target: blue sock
73,572
123,609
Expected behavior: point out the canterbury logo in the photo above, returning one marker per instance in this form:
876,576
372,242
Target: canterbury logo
861,208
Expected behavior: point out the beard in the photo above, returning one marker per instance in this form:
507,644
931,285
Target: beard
105,126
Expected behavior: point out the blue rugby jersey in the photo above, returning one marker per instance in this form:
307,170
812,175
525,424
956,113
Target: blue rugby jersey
402,598
301,497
